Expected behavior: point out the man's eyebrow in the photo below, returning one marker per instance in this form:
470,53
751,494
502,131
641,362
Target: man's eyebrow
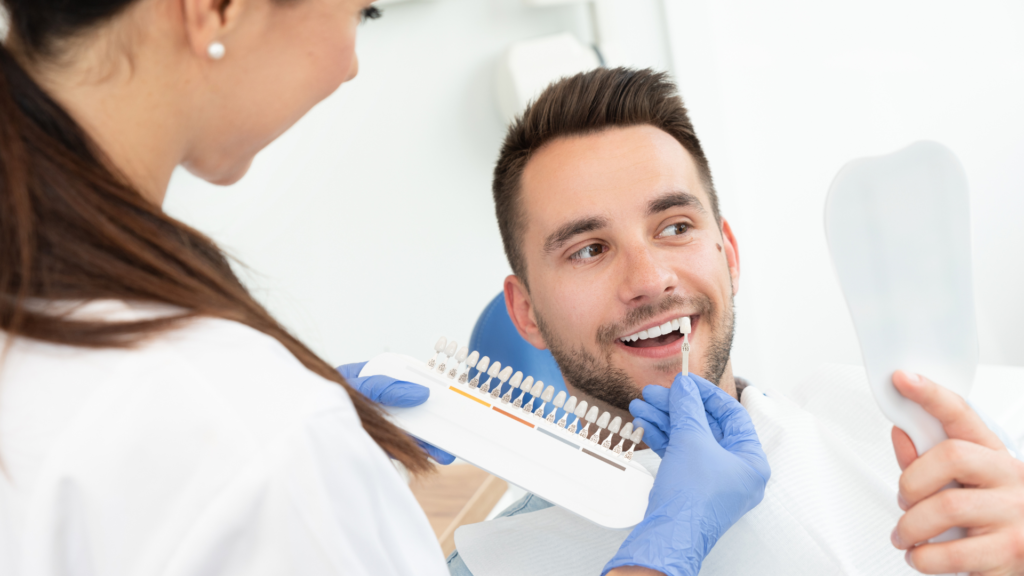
559,237
678,199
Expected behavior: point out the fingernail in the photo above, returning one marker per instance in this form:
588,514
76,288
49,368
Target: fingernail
910,559
913,378
902,502
895,538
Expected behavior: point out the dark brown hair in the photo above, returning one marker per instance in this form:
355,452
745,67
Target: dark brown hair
71,229
583,104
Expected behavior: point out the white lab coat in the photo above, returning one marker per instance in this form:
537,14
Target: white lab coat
208,450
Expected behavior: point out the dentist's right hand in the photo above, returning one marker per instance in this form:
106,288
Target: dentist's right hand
704,485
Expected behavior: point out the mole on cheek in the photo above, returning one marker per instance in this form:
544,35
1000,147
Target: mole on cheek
719,247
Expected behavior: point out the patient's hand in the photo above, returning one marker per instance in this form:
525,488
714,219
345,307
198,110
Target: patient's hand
990,504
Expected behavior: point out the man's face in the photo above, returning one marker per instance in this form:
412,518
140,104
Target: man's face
620,238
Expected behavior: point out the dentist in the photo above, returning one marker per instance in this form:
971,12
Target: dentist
154,417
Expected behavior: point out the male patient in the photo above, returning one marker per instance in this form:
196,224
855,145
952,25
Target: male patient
612,227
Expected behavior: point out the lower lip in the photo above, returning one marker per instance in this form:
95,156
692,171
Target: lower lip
659,352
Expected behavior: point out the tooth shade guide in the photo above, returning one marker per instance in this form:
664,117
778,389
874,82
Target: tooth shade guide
635,438
615,425
526,386
558,402
449,351
460,360
535,392
514,383
589,418
613,429
577,472
492,373
602,423
481,367
627,430
570,405
580,412
684,349
468,366
521,383
573,408
438,349
545,397
503,377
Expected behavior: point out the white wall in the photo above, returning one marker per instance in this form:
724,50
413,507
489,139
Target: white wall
369,226
785,92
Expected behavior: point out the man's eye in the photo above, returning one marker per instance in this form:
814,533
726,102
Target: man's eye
588,252
677,229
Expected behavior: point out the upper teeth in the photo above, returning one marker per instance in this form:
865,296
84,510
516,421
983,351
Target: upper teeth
660,330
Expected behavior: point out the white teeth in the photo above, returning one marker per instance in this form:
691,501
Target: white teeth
681,324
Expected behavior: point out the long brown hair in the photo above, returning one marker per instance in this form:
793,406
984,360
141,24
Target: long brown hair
72,229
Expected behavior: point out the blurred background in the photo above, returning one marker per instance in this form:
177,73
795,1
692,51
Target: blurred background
369,226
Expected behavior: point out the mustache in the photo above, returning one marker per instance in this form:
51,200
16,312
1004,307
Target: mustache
701,305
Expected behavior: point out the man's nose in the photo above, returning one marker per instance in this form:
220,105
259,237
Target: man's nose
644,277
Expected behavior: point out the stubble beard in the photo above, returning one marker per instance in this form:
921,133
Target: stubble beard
596,376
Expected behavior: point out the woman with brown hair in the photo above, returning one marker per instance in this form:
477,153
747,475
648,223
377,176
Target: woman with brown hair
154,418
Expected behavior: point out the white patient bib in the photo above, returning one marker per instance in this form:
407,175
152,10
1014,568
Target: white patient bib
828,508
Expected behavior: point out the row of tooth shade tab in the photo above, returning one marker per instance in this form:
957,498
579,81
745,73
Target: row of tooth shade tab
457,363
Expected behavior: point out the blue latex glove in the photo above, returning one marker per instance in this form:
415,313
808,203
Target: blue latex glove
704,485
652,414
390,392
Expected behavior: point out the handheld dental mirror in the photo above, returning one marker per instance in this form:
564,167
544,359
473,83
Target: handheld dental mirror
898,228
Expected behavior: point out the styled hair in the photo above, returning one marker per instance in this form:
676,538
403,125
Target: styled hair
587,103
71,229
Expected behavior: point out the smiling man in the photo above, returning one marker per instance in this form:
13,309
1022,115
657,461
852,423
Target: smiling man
611,224
613,230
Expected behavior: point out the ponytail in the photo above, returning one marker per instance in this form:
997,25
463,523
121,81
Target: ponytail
71,229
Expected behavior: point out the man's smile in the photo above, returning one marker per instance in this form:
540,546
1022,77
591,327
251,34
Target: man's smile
653,341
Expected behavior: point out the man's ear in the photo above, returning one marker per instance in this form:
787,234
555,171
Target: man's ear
732,255
207,21
520,309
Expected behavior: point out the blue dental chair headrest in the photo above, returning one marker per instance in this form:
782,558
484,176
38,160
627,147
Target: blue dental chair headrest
495,336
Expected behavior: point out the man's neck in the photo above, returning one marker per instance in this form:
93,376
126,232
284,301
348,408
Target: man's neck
728,382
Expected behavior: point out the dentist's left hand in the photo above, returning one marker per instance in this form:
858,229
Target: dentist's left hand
390,392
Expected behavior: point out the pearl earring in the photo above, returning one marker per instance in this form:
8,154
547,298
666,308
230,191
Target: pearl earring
216,50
